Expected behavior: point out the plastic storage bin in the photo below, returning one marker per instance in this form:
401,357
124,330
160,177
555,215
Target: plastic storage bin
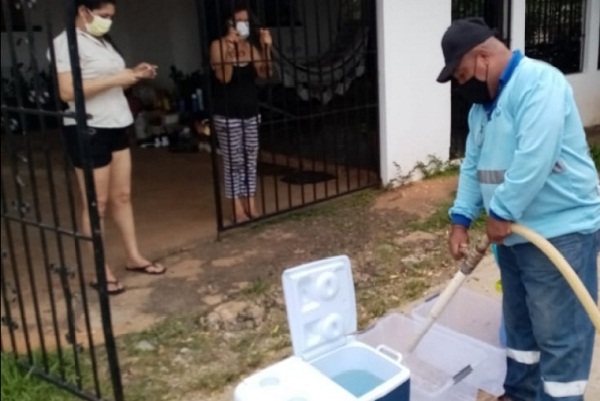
475,318
441,364
328,362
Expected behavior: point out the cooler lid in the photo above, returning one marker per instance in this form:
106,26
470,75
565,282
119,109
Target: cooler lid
321,305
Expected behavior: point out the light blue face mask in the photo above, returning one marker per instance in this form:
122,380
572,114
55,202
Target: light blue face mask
243,28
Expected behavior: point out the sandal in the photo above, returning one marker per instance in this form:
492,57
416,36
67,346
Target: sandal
118,289
148,269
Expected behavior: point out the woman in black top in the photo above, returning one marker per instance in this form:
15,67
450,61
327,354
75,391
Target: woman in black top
240,56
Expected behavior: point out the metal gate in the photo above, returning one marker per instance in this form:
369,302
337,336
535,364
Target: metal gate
496,14
319,131
51,325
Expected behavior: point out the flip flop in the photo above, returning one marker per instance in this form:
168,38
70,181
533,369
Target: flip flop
118,290
145,269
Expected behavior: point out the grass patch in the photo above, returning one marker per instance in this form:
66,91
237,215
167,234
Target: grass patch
259,286
20,384
188,357
439,220
334,207
435,167
595,153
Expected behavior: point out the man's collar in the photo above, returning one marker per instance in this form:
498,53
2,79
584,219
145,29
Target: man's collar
516,58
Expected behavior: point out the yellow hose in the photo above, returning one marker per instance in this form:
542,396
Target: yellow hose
563,266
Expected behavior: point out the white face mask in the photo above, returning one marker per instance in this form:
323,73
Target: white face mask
99,26
243,28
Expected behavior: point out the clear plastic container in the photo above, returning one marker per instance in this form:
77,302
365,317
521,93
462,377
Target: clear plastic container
441,364
475,318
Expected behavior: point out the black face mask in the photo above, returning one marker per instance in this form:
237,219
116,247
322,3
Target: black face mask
475,90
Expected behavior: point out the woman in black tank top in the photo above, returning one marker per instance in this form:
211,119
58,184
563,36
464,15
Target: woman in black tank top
240,56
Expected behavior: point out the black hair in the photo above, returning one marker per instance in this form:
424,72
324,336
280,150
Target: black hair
94,5
253,21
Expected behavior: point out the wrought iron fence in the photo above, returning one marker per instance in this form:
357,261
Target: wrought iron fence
554,32
51,325
318,132
496,14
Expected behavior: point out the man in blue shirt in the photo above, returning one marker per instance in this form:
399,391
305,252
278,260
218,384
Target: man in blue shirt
527,161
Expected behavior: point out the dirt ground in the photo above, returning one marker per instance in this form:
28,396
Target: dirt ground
218,314
223,304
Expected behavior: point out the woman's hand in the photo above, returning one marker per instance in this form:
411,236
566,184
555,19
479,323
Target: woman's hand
145,71
127,77
265,37
230,42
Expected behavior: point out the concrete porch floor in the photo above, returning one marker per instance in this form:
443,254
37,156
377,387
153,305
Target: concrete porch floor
175,190
174,207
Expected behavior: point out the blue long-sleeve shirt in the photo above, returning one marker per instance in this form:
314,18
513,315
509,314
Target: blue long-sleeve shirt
527,159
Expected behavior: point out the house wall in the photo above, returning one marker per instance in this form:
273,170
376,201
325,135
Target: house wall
415,109
168,33
586,85
165,33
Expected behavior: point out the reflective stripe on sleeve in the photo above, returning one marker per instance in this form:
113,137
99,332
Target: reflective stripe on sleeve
491,176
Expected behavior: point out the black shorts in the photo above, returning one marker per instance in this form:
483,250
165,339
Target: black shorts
103,142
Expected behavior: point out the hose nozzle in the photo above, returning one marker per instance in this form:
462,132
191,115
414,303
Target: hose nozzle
474,256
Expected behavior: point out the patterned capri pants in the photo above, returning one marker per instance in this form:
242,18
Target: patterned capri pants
238,142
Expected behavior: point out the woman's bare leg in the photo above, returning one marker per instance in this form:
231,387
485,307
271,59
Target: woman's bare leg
122,210
101,185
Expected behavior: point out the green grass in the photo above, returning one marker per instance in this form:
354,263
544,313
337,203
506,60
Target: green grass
439,220
595,152
21,385
258,286
435,167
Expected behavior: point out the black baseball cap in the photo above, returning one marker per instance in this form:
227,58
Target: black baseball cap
460,37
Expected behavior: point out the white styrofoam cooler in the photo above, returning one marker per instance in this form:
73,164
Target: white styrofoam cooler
329,364
475,318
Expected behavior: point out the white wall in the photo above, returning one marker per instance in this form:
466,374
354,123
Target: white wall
586,85
414,108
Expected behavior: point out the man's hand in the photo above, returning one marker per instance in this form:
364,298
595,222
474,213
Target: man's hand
458,241
497,230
